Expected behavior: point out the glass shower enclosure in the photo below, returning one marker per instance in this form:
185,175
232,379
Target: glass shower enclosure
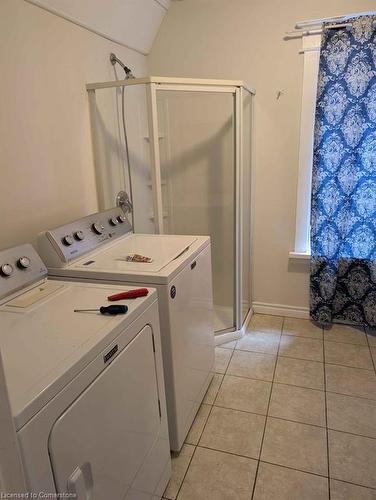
182,149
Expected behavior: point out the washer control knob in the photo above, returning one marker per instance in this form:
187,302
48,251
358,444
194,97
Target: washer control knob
6,270
97,227
113,221
68,240
121,218
23,262
79,235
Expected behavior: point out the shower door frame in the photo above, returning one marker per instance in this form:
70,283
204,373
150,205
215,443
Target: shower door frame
237,92
235,87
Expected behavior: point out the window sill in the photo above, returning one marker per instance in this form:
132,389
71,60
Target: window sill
300,255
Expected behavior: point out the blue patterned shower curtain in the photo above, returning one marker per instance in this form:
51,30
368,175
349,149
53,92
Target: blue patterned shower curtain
343,210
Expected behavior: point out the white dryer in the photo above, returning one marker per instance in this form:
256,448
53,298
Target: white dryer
86,390
96,248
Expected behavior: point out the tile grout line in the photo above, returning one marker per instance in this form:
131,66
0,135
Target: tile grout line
227,453
312,337
223,377
198,441
267,411
300,386
354,484
353,367
348,395
283,466
311,360
326,421
370,352
292,468
186,472
351,433
315,474
196,445
289,420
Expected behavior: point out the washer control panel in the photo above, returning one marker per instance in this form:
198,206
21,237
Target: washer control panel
77,238
20,267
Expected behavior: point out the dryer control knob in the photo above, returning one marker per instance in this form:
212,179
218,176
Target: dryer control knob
68,240
121,218
79,235
113,221
23,262
97,228
6,270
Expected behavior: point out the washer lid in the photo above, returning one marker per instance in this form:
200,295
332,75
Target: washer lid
162,249
45,344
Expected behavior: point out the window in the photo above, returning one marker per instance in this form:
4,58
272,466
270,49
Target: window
311,54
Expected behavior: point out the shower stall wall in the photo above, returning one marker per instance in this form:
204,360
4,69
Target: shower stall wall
182,148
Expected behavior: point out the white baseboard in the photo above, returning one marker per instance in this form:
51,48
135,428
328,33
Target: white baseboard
247,320
280,310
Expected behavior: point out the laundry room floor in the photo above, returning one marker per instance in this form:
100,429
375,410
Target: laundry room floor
289,415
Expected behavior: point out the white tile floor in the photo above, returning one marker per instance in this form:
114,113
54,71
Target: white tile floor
289,415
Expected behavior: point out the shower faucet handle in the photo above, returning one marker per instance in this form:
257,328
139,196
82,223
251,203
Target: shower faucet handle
123,201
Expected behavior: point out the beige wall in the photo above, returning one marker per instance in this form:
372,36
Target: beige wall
243,39
46,164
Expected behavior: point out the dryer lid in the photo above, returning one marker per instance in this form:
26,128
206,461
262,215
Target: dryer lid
45,344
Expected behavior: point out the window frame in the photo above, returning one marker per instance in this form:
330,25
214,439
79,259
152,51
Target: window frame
311,54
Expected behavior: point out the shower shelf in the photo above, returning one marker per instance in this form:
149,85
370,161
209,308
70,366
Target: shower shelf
150,184
147,138
164,214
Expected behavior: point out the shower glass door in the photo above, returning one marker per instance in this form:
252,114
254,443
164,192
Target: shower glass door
196,132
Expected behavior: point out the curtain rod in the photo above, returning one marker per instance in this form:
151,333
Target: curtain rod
300,31
319,22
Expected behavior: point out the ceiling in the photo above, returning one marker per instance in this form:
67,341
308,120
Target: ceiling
133,23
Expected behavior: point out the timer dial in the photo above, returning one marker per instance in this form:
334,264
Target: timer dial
79,235
97,227
68,240
6,270
23,262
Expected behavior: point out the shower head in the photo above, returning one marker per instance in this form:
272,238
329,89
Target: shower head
114,60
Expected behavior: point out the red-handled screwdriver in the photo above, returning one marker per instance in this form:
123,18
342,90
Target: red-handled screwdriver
111,310
130,294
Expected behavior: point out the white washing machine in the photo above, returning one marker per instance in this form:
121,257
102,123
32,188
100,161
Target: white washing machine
86,390
96,248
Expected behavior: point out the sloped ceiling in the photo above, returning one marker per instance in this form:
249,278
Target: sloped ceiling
133,23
